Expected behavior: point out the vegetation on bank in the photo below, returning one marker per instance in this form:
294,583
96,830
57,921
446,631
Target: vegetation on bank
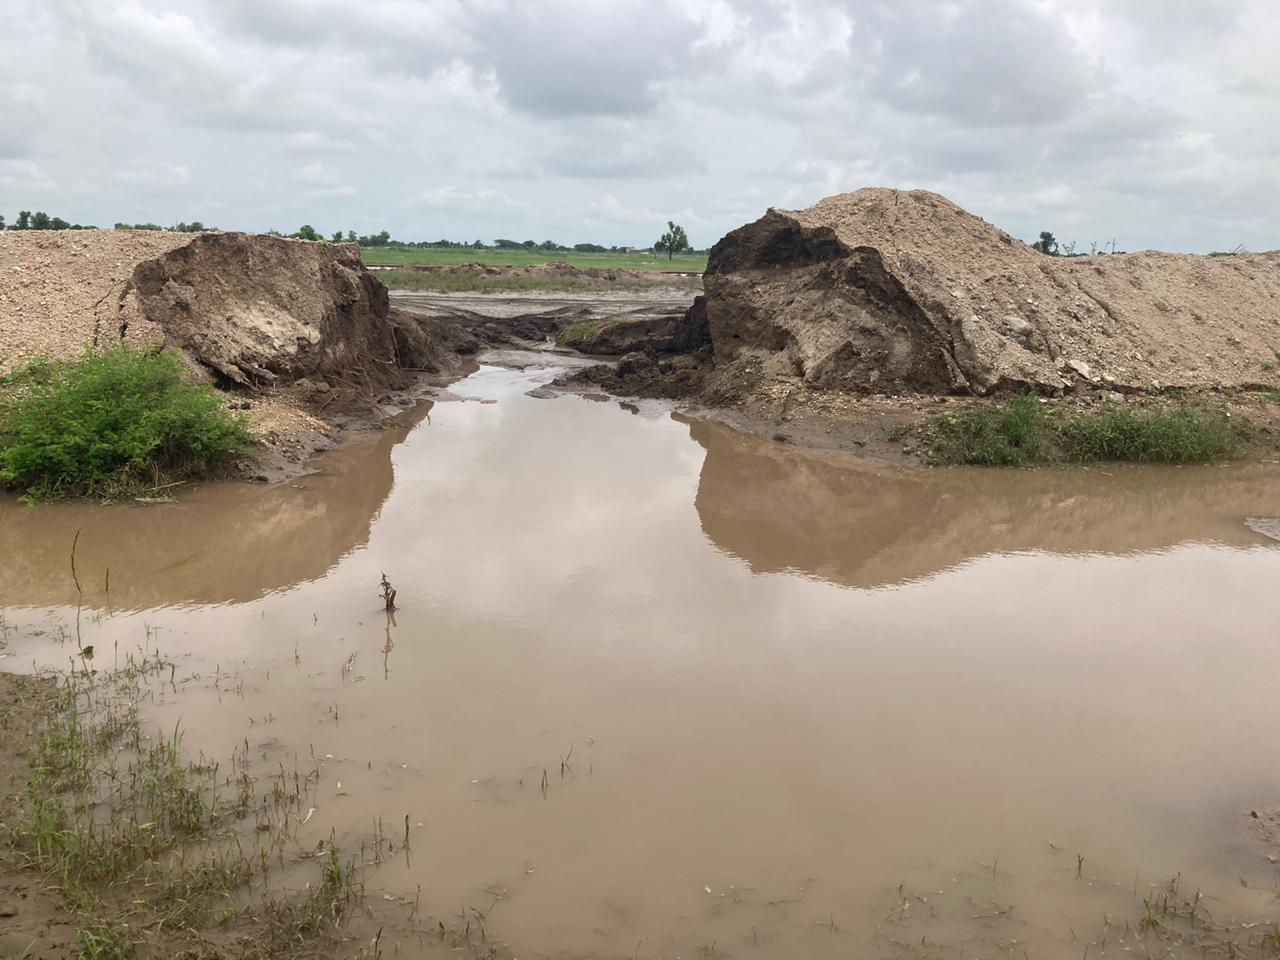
112,423
1024,431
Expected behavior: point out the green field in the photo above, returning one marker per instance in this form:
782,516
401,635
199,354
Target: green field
401,256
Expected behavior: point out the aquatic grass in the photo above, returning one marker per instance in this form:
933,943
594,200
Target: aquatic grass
107,942
111,423
1022,431
138,838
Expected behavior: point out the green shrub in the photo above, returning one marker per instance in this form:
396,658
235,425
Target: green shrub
1182,433
111,423
1008,435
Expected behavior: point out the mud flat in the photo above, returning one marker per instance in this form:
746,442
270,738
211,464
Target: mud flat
656,687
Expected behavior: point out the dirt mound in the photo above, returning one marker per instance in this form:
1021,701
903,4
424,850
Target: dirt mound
252,310
61,290
889,291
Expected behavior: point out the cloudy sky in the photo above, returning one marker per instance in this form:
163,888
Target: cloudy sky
1154,122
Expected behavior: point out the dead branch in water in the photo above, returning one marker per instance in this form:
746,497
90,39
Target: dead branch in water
388,594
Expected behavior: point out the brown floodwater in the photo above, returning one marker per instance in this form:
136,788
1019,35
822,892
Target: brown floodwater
790,682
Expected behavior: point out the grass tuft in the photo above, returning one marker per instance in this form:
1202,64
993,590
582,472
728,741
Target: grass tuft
578,335
112,423
1021,431
1182,433
1008,435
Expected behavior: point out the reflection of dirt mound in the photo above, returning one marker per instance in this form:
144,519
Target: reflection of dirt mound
223,543
840,520
883,291
255,310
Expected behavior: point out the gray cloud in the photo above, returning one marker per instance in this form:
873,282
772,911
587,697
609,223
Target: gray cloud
599,119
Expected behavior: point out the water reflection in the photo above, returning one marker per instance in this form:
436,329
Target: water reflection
220,543
857,524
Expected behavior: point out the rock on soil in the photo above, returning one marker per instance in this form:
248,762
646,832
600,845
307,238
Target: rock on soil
886,291
250,310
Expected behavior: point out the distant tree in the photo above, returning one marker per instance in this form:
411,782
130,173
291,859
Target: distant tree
40,220
307,232
529,245
550,245
1046,244
589,248
673,241
478,245
57,223
1,221
380,239
351,236
337,237
507,244
24,220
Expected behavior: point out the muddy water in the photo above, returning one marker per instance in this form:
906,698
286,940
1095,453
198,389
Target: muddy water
789,683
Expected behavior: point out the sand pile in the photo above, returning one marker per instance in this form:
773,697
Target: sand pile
889,291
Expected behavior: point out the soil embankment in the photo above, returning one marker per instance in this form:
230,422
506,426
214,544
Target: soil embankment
883,291
302,331
250,310
904,295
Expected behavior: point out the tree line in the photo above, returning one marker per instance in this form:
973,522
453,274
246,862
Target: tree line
674,241
26,220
